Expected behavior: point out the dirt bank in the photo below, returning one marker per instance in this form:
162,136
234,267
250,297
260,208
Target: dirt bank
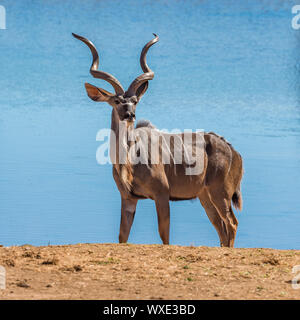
113,271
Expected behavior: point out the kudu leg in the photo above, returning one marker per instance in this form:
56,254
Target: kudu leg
224,208
163,215
127,216
233,223
214,218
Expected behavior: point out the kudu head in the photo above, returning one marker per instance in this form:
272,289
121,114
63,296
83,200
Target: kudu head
124,102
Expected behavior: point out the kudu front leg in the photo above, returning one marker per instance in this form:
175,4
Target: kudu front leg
127,216
163,216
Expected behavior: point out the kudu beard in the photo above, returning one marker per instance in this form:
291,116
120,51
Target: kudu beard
151,146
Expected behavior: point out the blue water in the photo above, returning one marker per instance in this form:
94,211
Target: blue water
226,66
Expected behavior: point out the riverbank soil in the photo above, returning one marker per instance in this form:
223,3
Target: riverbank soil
126,271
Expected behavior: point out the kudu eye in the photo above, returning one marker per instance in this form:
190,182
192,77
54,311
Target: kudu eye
117,101
134,100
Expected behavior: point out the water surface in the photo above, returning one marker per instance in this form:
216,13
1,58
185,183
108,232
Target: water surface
224,66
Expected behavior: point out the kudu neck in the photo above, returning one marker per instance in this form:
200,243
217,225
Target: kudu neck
119,142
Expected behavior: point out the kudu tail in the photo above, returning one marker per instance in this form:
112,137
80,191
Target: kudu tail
237,199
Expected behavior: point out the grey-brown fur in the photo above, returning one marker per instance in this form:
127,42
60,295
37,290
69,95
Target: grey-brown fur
217,186
144,123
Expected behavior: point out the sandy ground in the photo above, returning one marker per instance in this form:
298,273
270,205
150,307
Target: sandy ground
113,271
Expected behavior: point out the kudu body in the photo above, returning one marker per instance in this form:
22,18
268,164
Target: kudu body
217,184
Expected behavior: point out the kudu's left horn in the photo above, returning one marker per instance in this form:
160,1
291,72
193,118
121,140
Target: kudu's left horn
148,73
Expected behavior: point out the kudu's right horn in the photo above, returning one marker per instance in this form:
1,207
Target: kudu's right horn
97,73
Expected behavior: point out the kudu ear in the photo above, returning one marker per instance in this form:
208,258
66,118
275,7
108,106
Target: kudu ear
97,94
141,90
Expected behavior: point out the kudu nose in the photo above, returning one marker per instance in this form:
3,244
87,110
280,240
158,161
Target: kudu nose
129,115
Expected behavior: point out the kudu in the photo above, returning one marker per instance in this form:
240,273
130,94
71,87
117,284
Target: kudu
217,185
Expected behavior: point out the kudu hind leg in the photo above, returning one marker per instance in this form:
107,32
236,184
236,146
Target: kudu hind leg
127,216
224,208
215,219
163,216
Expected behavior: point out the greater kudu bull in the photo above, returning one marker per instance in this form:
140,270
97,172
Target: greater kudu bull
216,185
